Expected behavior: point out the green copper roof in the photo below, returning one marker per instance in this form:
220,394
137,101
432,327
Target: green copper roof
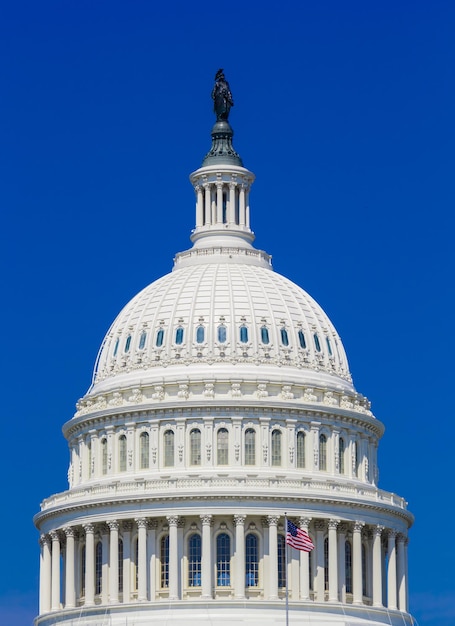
222,150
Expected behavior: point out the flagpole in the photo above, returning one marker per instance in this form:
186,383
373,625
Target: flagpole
286,566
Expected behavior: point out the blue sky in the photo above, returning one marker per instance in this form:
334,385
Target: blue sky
344,111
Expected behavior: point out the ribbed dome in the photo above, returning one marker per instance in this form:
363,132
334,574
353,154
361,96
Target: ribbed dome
218,313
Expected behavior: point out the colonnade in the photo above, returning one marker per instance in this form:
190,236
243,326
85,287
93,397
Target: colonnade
148,560
220,202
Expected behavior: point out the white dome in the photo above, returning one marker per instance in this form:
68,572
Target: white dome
231,294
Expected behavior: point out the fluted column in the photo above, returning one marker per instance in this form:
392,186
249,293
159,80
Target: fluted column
392,572
219,203
304,564
357,596
199,206
319,574
70,588
173,557
141,559
377,565
89,564
105,564
55,576
113,562
239,582
207,204
45,575
127,527
231,218
342,528
333,561
242,216
206,565
273,556
401,572
152,525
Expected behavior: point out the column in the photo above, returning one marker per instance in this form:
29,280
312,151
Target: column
141,559
273,556
113,561
392,572
126,528
219,203
45,575
377,565
247,207
333,561
242,205
231,217
206,565
173,557
70,588
401,572
315,443
208,204
357,595
152,525
55,575
304,564
342,529
319,577
105,564
199,206
89,564
239,582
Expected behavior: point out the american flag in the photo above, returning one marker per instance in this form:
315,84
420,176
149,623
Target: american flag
298,538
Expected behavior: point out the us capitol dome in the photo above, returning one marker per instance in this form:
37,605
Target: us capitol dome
222,399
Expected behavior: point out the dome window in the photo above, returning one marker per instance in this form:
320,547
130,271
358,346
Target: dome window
117,341
128,343
200,334
284,337
264,334
179,336
317,343
302,341
195,447
243,334
300,449
323,453
168,448
276,448
142,339
159,338
222,334
329,347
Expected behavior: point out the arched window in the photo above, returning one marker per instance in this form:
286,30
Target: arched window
323,453
223,560
300,449
251,560
222,334
117,341
317,343
194,560
243,334
284,337
341,447
164,561
329,346
250,446
200,334
276,448
104,456
128,343
136,564
348,566
222,447
142,339
98,566
326,564
169,448
364,570
83,562
144,450
195,447
302,341
264,334
159,338
179,335
122,453
281,561
120,565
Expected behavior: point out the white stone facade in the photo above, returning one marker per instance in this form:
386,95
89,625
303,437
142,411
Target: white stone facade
221,400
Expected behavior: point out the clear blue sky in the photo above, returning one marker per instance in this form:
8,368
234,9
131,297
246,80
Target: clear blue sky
344,111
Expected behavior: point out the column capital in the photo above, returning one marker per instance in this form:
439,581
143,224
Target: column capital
113,525
127,526
401,538
45,540
320,525
272,520
141,522
343,528
69,531
89,528
304,522
152,524
173,520
54,535
239,519
206,519
392,533
357,526
377,530
333,524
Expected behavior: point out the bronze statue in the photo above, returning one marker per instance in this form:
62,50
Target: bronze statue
222,97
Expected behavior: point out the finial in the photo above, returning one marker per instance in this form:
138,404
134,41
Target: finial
222,97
